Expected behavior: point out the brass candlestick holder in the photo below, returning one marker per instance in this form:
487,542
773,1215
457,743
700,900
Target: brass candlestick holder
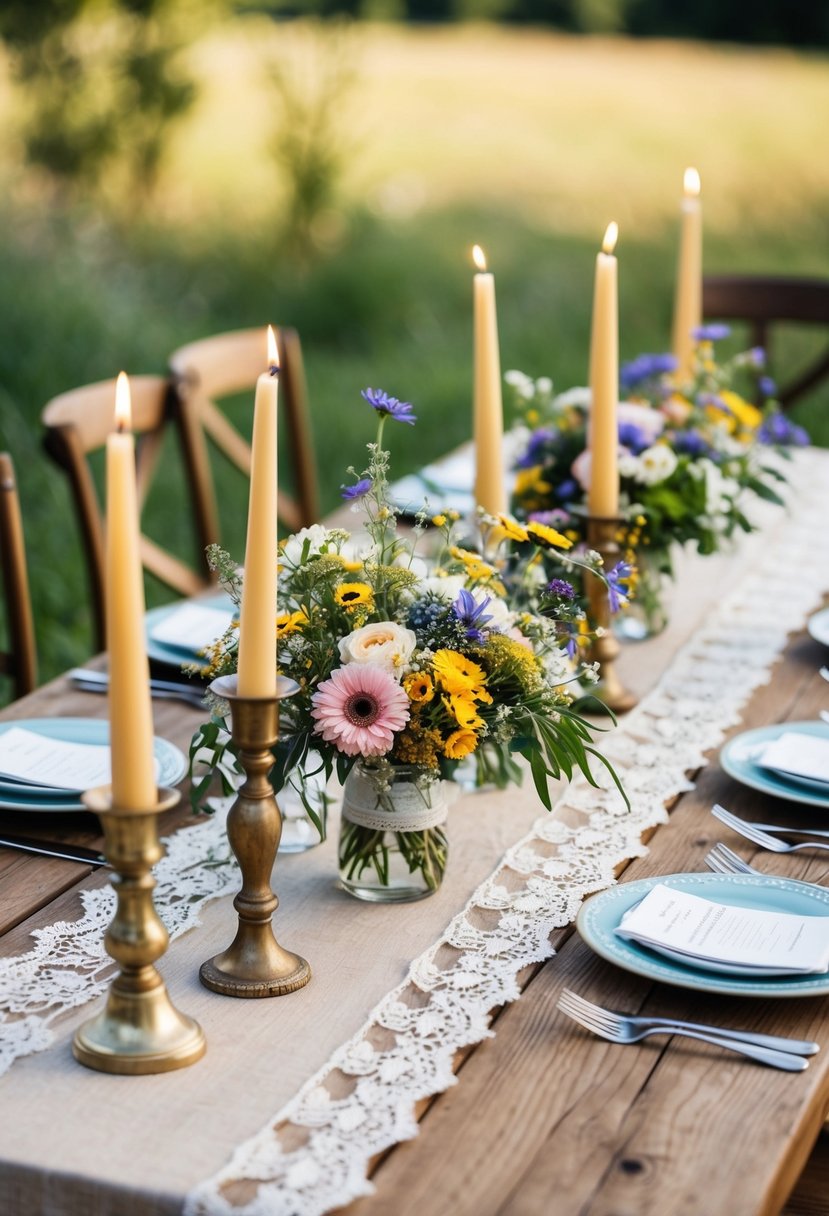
139,1029
601,536
255,965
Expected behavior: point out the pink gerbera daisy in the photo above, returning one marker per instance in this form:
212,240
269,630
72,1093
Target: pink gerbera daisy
359,708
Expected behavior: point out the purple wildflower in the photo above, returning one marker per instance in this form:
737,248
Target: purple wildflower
571,645
643,367
632,437
566,490
561,589
710,333
757,357
389,407
552,519
471,614
767,386
359,488
616,593
716,401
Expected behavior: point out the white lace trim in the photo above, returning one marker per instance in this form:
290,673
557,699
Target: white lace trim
363,1100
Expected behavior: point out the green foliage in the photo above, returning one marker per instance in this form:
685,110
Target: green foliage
101,84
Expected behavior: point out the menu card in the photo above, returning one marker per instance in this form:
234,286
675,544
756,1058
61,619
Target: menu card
798,755
34,759
192,627
712,932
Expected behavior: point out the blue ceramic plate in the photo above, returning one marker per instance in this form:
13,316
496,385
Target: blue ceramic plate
818,626
171,761
601,915
736,760
176,656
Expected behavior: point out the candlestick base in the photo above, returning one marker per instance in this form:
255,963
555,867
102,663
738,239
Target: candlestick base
139,1030
255,965
601,536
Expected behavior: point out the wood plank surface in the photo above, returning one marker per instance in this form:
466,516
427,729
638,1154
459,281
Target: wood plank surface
549,1119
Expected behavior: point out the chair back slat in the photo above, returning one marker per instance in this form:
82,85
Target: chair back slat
77,424
20,661
220,366
765,302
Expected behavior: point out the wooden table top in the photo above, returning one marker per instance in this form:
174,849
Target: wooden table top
548,1119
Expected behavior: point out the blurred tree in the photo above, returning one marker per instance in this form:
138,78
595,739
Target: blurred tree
312,144
100,84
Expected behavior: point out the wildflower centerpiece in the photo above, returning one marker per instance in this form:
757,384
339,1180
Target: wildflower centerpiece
691,456
407,668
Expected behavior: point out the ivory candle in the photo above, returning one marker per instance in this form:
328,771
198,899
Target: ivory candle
257,619
130,707
603,497
488,413
688,295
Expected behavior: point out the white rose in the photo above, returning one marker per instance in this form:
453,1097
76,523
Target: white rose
573,396
316,537
629,465
384,644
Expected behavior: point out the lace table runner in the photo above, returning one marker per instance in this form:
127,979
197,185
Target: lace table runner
314,1154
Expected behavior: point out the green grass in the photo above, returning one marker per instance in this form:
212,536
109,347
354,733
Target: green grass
599,129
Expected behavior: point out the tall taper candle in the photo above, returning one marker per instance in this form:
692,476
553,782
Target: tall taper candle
688,296
490,487
257,620
603,498
130,707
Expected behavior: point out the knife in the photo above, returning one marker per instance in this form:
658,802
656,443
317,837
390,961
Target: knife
51,848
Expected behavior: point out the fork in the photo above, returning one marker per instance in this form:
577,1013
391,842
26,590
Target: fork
620,1028
762,838
723,860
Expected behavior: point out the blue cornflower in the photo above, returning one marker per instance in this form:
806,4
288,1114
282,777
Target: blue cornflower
645,366
617,594
471,614
689,443
716,401
757,357
555,518
560,588
389,407
632,437
767,386
710,333
779,431
359,488
535,448
567,489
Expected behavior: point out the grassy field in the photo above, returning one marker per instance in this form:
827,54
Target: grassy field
525,142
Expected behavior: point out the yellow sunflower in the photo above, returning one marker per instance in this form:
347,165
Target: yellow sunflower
464,710
511,528
419,687
290,622
354,595
460,743
458,674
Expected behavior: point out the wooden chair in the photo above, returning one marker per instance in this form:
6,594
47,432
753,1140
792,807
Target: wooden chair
20,660
766,302
220,366
77,425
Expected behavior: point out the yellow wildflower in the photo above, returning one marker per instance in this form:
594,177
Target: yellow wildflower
290,622
464,711
439,520
419,687
747,415
458,674
530,482
460,743
548,536
511,528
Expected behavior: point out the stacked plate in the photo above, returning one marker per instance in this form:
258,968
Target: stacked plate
743,759
601,916
179,633
20,795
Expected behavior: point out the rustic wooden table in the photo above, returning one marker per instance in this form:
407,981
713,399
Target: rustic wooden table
548,1119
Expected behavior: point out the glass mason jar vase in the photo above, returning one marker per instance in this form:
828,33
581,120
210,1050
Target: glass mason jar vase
393,845
649,611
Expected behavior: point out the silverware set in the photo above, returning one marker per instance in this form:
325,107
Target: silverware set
174,690
765,835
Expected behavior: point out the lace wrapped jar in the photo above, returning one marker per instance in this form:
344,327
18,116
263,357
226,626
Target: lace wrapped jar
649,611
393,845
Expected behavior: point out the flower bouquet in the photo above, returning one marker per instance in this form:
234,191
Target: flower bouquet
690,455
407,667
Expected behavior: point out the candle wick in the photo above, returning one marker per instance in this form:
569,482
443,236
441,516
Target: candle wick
120,427
273,370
